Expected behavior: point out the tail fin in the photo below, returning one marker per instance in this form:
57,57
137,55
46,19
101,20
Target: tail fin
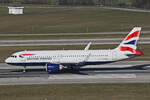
129,44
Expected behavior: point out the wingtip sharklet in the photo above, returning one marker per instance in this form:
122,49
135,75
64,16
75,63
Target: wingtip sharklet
88,46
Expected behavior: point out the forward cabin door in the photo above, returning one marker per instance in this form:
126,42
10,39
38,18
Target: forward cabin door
23,59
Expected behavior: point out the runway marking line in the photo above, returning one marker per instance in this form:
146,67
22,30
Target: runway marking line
100,76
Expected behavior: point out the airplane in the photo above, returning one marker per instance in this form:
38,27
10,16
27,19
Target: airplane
56,60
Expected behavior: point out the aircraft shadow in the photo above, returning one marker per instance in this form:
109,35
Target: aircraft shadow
136,67
81,70
30,70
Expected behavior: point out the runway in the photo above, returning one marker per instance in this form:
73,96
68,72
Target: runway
65,34
119,72
67,42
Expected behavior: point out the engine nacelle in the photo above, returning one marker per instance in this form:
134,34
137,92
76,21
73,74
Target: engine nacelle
53,67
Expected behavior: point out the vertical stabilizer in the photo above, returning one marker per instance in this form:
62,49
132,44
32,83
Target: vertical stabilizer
129,44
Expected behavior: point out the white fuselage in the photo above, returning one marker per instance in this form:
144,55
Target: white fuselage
65,57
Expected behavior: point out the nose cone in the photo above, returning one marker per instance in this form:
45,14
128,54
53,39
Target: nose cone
7,60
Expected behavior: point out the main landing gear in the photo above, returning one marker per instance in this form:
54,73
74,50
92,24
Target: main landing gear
24,69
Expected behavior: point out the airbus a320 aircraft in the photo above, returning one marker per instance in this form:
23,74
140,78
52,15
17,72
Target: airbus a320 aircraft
56,60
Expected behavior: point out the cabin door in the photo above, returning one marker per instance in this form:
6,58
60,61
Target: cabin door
23,59
114,55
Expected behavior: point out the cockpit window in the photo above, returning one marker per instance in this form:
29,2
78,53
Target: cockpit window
13,56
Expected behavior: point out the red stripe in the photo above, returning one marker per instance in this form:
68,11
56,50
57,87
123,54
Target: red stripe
139,53
127,49
135,34
26,54
131,50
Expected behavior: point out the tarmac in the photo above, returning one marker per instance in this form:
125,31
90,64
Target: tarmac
65,34
67,42
119,72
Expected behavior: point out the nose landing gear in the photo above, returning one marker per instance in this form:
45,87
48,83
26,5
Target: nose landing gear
24,69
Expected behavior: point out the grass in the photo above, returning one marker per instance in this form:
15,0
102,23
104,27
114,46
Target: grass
8,50
76,92
71,20
50,37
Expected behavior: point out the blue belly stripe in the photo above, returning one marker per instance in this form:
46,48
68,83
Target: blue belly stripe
44,63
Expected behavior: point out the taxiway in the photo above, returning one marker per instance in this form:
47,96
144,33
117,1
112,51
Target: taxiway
67,42
119,72
65,34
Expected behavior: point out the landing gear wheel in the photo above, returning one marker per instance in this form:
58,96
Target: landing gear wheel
24,69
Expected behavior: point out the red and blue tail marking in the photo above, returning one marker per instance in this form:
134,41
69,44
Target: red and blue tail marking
135,34
129,44
131,50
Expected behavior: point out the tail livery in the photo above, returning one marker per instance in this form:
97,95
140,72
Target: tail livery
129,44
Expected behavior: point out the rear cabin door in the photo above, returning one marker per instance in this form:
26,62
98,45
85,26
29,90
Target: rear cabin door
114,55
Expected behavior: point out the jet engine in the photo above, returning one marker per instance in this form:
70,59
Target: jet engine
53,67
